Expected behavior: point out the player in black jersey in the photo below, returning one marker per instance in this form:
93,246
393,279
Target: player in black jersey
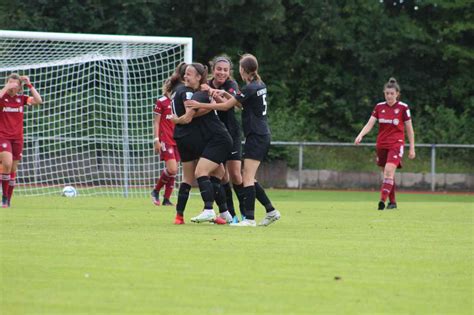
222,79
252,99
204,142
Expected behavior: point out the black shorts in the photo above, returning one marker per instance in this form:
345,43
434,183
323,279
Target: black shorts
256,146
217,148
190,147
236,152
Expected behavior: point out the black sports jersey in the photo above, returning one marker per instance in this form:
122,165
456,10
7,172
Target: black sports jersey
228,117
254,105
181,94
209,123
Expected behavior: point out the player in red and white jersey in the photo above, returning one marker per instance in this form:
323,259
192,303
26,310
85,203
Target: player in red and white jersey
12,104
165,144
393,117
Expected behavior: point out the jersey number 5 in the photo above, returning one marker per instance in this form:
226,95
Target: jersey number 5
264,98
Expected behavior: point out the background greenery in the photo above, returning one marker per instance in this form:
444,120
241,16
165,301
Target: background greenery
325,62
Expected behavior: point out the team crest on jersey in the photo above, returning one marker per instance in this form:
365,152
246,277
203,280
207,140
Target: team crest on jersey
383,111
395,156
396,122
396,111
4,145
189,95
18,100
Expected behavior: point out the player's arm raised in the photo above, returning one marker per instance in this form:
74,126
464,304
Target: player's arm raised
36,99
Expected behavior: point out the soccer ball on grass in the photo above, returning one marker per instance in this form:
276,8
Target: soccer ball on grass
69,191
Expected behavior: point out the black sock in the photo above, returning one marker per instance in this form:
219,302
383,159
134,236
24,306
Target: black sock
239,191
183,195
263,198
249,200
207,193
219,194
228,197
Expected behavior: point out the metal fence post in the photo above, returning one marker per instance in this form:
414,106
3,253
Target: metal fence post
300,166
433,167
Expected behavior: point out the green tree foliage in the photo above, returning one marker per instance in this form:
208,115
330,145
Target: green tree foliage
325,62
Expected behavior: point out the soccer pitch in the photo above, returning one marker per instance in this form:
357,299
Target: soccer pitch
331,252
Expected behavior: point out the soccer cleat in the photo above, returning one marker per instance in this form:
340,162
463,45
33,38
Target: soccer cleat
381,205
155,197
392,205
220,220
226,216
270,217
235,219
179,219
166,202
205,216
250,223
4,202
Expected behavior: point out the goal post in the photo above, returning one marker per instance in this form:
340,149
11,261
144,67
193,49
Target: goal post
94,129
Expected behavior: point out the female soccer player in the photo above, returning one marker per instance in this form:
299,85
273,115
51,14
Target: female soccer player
393,117
164,143
12,102
222,79
203,143
252,99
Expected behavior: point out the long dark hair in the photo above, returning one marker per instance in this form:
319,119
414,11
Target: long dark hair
222,58
176,77
393,84
201,70
249,64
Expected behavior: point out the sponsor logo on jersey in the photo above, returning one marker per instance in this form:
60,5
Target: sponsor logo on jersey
13,109
261,92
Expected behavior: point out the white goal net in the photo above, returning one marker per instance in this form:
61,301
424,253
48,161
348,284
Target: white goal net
94,129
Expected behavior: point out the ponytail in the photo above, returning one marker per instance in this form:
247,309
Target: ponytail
176,77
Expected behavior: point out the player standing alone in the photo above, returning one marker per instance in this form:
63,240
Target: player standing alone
164,142
394,117
12,103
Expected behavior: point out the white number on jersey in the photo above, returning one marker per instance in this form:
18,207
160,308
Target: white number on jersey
264,97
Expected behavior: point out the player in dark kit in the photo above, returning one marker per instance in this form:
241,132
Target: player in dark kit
203,142
393,116
252,99
222,79
217,145
12,103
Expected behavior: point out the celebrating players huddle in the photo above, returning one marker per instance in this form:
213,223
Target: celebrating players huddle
195,125
209,143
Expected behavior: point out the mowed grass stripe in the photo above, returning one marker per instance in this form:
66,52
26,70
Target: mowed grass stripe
330,252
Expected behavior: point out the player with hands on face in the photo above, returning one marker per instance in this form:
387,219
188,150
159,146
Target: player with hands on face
12,104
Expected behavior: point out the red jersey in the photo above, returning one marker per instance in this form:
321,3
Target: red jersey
11,116
391,124
163,108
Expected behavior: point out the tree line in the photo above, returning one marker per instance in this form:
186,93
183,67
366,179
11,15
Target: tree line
325,62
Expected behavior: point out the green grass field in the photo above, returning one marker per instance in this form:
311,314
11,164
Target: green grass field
331,252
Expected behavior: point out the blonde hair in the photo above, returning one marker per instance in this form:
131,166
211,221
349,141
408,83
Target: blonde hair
15,76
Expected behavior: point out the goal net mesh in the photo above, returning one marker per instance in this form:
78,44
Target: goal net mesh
94,129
